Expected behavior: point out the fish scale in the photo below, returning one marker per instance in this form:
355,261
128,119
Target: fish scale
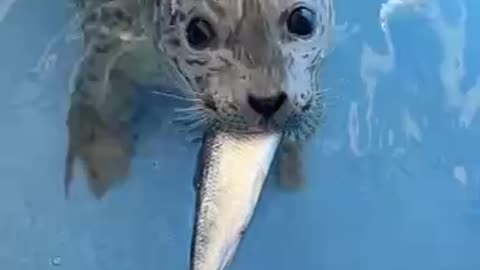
231,171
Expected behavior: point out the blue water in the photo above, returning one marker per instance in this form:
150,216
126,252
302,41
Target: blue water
393,175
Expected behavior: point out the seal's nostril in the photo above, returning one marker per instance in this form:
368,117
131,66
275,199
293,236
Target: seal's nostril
267,106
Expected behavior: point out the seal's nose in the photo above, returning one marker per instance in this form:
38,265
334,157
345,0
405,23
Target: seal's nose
267,106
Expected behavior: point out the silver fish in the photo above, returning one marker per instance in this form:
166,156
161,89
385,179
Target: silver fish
230,175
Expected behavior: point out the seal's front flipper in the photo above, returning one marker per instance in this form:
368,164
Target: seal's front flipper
290,166
104,150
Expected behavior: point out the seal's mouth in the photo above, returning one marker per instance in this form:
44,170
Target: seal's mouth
295,122
261,125
266,123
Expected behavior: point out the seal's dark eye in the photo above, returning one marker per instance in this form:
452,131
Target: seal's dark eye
301,22
199,33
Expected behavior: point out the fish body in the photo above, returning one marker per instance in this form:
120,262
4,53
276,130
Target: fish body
230,175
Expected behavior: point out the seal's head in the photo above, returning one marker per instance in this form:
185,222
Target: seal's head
251,64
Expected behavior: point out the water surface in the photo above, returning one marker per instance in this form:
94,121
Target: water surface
393,178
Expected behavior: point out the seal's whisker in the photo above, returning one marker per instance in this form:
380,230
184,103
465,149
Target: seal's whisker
193,118
188,116
194,126
174,96
194,108
325,100
323,91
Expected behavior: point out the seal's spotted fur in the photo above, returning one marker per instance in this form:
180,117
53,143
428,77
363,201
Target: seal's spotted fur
251,54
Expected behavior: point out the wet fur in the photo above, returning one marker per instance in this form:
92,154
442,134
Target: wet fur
142,41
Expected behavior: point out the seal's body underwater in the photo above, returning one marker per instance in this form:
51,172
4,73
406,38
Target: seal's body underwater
245,65
250,69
